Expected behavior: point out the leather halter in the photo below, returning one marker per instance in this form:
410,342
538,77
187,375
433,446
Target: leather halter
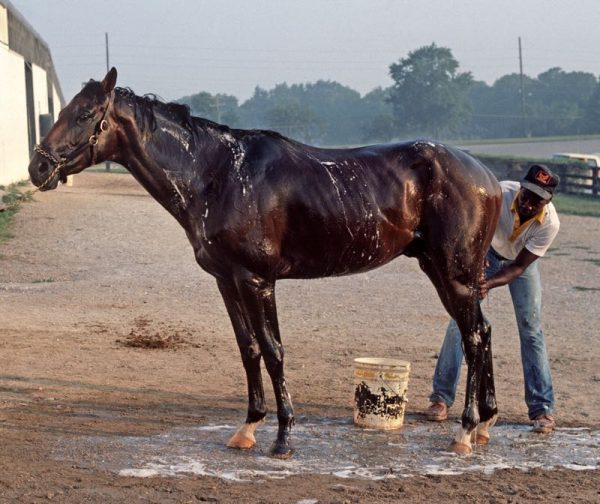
62,161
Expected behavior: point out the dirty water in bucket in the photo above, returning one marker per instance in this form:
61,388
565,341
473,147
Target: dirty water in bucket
330,446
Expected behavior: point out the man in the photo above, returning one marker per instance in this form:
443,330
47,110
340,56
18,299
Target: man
528,224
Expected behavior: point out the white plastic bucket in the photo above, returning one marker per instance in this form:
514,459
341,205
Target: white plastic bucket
380,387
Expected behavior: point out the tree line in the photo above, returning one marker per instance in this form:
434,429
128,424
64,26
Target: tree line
429,97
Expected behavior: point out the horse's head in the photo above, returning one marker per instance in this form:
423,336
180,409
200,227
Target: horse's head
78,135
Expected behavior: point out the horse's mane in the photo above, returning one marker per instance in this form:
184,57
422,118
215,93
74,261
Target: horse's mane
147,105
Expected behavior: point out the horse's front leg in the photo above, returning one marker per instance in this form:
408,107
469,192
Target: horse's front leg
259,301
250,352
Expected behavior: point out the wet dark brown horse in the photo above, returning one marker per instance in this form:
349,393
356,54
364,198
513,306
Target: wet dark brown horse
258,207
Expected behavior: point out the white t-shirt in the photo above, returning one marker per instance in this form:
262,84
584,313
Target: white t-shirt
536,236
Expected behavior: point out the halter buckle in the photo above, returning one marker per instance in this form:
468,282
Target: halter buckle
93,140
104,125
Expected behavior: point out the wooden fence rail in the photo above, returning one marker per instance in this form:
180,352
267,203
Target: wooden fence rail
576,178
577,181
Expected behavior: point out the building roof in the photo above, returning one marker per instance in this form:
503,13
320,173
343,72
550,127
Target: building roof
24,40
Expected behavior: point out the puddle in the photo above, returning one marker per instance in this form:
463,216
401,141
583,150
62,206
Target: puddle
331,446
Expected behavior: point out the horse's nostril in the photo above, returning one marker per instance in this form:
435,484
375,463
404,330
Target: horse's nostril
43,167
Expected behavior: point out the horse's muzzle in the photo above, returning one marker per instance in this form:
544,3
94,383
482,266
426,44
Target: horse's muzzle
40,172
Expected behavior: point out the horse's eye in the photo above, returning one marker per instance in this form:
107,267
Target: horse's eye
84,116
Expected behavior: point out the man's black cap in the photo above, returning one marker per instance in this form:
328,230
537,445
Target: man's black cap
541,181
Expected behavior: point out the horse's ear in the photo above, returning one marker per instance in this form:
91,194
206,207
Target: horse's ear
109,81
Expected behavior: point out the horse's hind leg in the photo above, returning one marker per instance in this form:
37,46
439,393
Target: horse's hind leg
457,288
251,355
480,409
488,410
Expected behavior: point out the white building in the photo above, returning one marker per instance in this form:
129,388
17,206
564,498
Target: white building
30,94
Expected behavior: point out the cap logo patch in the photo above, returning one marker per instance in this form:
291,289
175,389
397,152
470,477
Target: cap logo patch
542,177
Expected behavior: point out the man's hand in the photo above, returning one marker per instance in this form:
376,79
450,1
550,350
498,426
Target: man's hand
483,286
507,274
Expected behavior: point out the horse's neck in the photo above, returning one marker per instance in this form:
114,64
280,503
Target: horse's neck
170,162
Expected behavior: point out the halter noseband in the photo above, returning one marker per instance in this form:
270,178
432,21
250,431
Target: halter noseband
60,163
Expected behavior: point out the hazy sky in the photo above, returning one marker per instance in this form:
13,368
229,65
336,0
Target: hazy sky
180,47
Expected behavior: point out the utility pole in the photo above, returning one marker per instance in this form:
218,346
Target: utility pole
106,163
217,106
524,126
107,60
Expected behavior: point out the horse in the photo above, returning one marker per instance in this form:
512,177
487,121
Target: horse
258,207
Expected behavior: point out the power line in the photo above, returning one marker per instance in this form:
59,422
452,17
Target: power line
522,91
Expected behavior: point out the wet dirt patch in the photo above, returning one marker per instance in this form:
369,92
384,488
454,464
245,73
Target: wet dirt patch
331,446
151,341
148,335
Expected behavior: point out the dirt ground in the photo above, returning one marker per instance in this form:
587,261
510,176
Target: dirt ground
97,265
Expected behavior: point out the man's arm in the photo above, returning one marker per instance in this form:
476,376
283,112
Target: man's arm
508,274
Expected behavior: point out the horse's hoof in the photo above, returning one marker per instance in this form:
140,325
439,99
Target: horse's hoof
241,442
244,438
460,448
280,451
481,435
480,438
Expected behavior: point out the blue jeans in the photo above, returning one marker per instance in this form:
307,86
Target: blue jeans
526,294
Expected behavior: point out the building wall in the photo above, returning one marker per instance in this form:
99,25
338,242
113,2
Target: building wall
19,43
3,26
14,146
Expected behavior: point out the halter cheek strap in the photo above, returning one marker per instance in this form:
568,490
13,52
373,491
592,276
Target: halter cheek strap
93,140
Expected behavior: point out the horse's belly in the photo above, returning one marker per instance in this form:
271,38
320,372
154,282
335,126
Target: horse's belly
338,257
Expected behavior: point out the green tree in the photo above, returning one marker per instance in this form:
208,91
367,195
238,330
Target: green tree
253,111
591,118
557,86
338,109
377,117
497,111
284,109
563,96
221,108
323,112
293,119
552,104
429,95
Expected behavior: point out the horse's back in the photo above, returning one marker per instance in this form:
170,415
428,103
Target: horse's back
339,211
424,161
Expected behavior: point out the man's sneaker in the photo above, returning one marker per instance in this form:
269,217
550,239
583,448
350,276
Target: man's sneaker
437,412
544,424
